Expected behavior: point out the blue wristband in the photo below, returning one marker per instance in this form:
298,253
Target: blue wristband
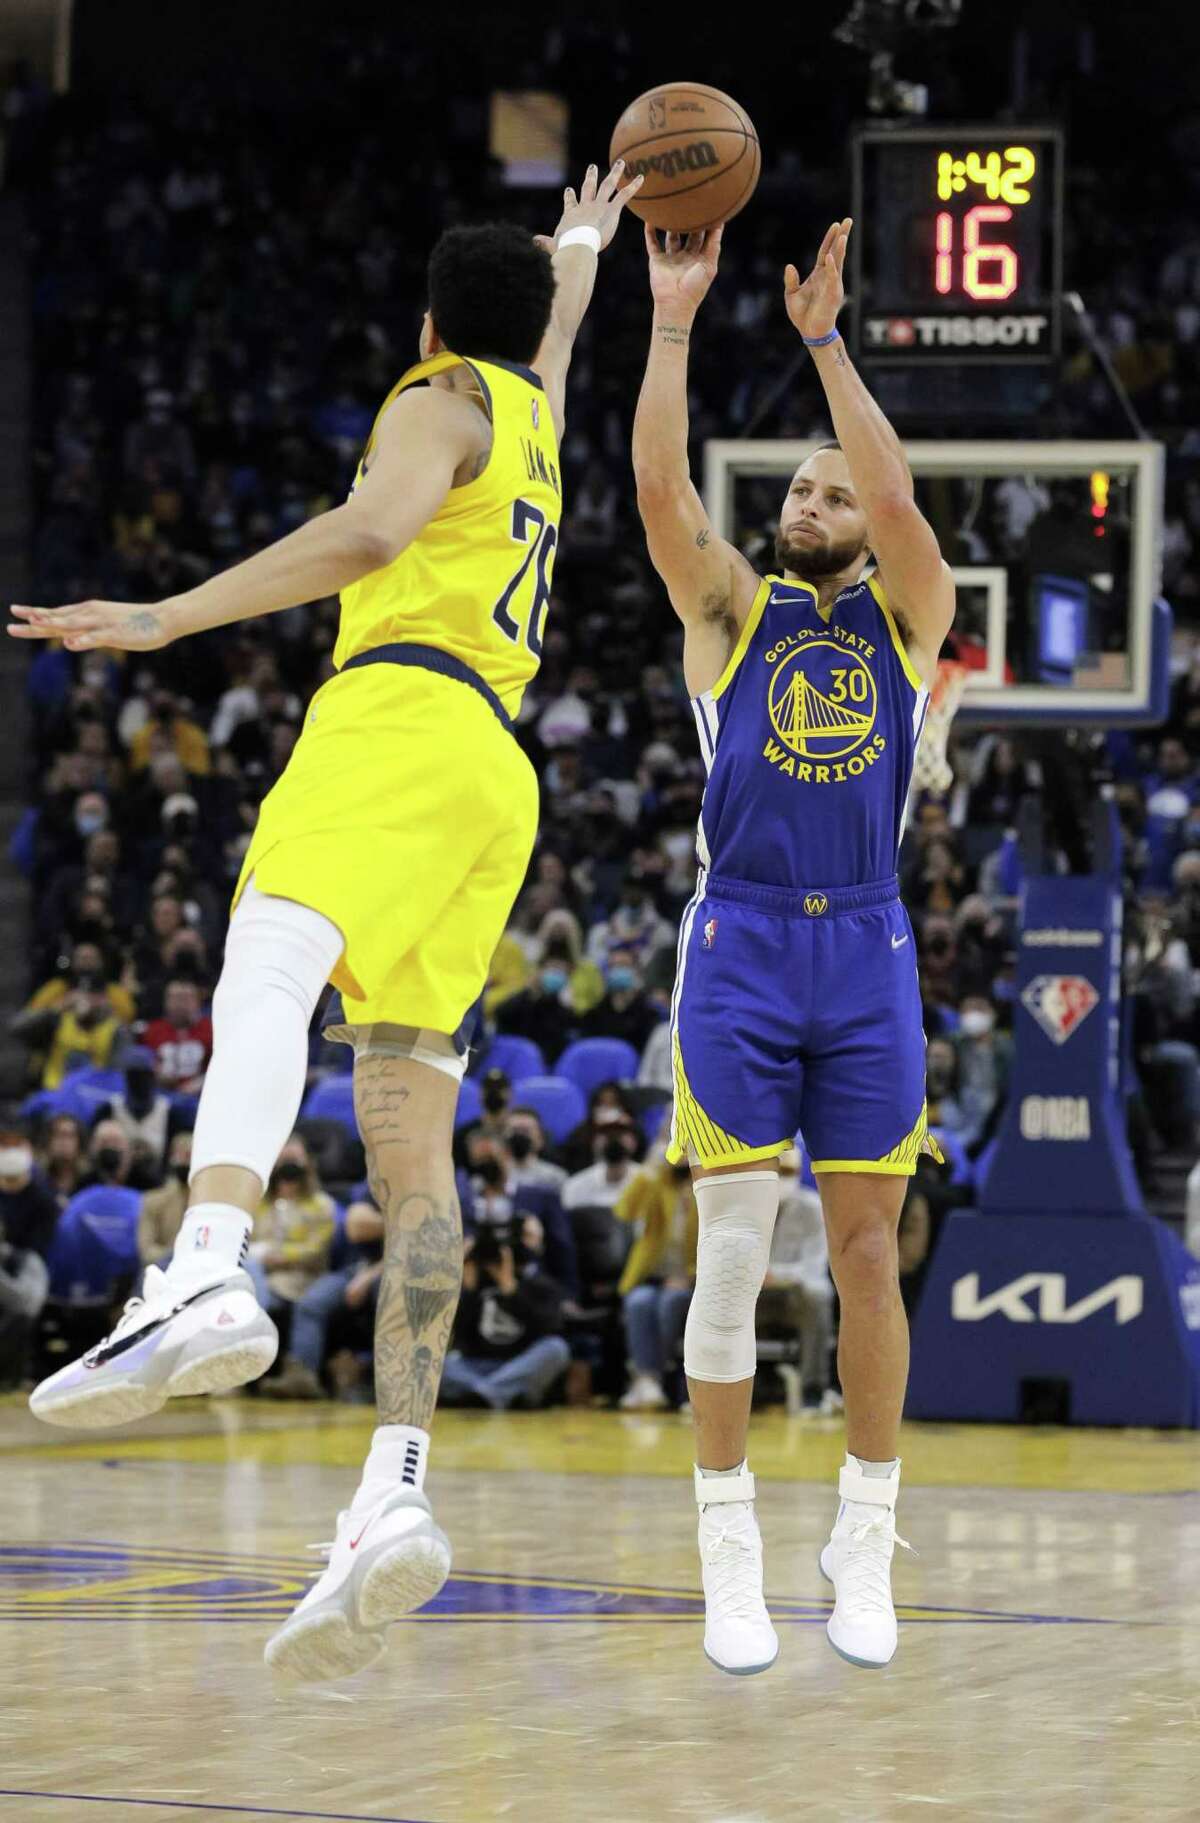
820,341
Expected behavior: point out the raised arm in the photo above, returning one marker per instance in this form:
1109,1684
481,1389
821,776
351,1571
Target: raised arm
422,439
597,209
710,584
918,584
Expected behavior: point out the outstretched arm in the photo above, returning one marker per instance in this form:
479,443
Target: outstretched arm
919,586
599,206
422,439
710,584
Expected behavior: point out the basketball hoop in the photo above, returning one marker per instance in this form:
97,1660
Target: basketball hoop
931,768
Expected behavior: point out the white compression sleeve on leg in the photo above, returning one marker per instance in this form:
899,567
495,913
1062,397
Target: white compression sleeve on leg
278,957
737,1220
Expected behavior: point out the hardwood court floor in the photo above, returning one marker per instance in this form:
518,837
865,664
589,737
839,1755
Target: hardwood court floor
1049,1665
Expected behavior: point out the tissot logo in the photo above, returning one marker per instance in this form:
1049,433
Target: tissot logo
957,331
1041,1297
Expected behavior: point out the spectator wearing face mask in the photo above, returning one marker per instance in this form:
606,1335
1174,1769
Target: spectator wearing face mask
86,1032
145,1116
939,958
496,1095
28,1210
509,1348
62,1158
624,1011
503,1199
608,1102
161,1213
542,1010
635,926
525,1138
186,738
603,1182
352,1287
984,1060
182,1040
87,962
293,1230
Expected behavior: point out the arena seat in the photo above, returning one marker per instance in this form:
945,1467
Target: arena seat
590,1061
558,1103
332,1099
515,1056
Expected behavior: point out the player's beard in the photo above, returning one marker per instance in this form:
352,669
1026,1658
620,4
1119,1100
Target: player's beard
813,562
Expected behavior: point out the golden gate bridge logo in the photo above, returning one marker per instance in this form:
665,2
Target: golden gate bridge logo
826,723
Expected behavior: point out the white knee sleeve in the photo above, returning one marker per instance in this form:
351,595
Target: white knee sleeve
278,957
737,1220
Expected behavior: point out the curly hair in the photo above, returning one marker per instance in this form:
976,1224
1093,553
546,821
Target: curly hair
491,291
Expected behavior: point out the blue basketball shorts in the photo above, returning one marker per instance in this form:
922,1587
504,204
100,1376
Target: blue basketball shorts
798,1013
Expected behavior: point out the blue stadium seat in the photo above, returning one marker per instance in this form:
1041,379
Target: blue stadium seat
95,1244
470,1104
558,1103
515,1056
651,1119
332,1099
591,1061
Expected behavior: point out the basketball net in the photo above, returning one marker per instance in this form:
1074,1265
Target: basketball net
931,768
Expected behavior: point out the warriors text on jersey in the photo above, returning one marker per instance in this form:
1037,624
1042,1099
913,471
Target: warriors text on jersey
407,812
809,737
796,1002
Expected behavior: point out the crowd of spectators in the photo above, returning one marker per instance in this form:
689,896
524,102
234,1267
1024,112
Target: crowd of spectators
215,322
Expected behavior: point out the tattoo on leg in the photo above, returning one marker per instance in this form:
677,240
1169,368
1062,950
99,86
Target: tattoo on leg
418,1297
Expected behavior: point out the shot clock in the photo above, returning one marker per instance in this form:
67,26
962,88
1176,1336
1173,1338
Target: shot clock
958,244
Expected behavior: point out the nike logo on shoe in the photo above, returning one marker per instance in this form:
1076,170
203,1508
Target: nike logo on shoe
899,942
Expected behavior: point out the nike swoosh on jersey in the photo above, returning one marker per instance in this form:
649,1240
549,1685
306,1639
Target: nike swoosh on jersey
107,1351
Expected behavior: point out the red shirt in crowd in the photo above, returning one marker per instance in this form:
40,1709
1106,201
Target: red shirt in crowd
181,1056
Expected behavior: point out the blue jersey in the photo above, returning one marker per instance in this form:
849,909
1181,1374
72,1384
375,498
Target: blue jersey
809,737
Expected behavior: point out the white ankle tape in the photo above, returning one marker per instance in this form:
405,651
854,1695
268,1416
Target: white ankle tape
713,1490
868,1490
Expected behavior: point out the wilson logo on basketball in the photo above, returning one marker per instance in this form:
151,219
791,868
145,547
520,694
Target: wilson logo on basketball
1060,1003
701,155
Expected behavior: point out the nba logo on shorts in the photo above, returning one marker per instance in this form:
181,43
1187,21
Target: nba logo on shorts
710,934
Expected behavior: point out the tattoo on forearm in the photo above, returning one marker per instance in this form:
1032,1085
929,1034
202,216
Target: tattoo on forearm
673,336
418,1296
702,538
840,357
145,623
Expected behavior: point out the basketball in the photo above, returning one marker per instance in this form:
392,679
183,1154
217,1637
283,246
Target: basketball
697,150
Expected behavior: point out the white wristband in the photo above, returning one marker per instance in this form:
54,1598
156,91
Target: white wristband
580,237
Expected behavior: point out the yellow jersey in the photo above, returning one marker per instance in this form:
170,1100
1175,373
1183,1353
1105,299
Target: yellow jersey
475,582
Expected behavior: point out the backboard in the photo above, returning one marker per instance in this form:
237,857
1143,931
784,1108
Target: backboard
1056,554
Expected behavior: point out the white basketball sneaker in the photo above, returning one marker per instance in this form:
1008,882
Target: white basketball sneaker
858,1562
738,1635
388,1559
199,1330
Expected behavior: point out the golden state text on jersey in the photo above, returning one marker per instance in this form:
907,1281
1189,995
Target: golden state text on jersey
475,582
809,737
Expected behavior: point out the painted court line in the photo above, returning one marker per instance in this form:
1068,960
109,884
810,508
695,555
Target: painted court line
229,1810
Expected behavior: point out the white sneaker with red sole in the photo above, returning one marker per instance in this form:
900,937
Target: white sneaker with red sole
389,1558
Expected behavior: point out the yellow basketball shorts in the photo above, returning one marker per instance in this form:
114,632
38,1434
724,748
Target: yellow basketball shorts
407,816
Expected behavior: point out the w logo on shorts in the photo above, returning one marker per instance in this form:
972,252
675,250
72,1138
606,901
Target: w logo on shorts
710,934
815,904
